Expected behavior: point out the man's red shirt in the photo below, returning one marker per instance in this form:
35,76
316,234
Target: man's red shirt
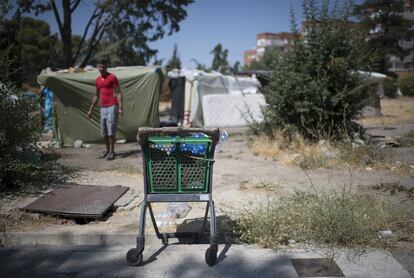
106,87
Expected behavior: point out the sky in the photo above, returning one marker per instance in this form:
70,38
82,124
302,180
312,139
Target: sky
233,23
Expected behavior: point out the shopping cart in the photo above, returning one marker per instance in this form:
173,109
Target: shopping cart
178,167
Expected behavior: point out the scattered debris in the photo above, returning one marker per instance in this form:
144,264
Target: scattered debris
121,141
385,234
394,187
78,144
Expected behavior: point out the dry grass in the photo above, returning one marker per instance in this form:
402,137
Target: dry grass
294,152
395,111
323,154
336,219
283,150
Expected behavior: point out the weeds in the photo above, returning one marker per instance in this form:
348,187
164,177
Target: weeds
309,155
337,219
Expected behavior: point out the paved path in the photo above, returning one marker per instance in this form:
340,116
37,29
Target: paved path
179,260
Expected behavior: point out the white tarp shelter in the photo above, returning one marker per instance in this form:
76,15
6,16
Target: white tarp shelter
213,99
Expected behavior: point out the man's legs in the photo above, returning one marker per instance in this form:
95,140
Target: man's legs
111,140
108,144
112,124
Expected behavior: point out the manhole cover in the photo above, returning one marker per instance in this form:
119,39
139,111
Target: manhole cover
317,267
78,201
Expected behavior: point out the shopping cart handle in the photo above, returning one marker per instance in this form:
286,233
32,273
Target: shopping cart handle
145,132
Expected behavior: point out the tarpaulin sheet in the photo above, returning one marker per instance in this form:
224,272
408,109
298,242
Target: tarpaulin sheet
140,87
214,84
232,110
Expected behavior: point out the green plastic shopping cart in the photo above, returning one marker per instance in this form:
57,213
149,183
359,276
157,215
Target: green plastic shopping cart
178,167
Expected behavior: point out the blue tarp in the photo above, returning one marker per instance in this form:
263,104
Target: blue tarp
47,96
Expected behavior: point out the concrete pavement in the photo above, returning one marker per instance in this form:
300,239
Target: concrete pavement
180,260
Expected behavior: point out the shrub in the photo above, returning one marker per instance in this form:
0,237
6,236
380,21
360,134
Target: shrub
390,88
406,85
315,88
19,158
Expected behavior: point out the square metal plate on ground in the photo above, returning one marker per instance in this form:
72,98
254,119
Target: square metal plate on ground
317,267
78,201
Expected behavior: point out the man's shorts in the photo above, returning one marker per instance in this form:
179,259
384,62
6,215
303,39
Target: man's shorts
109,120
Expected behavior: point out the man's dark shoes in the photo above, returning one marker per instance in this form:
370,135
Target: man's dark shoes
103,155
110,156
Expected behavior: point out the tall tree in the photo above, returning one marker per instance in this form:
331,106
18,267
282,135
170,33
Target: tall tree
128,24
175,62
235,69
10,50
33,38
220,62
385,28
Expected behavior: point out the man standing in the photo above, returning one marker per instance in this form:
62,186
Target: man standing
108,91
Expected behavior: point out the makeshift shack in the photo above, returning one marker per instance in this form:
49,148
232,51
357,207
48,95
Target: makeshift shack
214,99
73,92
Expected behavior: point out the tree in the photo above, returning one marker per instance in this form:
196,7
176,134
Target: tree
19,123
385,27
200,66
33,38
130,25
235,69
175,62
220,62
10,50
315,88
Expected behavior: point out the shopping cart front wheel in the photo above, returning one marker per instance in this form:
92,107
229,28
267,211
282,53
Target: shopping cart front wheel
134,257
211,255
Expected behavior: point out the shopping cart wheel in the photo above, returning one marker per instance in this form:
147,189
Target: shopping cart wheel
134,257
211,255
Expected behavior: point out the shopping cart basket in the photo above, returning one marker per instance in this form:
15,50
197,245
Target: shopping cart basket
174,172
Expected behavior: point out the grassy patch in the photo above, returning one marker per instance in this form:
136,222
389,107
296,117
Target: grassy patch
395,111
337,219
322,154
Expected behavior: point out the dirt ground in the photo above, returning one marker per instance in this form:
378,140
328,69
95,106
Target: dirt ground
240,178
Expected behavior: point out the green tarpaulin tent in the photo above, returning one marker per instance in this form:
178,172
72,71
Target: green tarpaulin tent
140,86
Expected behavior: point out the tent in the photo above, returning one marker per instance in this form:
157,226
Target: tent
73,92
214,99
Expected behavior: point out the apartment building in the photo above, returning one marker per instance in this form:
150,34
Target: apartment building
279,40
406,65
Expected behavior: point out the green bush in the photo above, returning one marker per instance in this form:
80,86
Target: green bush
390,87
315,88
19,118
406,85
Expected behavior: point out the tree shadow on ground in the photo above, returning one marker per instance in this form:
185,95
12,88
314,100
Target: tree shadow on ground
86,261
124,154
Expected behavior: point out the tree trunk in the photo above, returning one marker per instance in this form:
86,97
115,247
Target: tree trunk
67,34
